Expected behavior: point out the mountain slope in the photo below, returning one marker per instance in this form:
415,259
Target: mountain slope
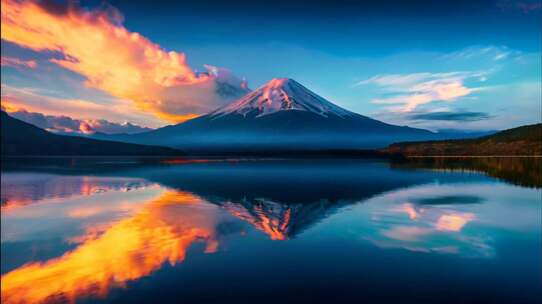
525,140
281,94
20,139
282,114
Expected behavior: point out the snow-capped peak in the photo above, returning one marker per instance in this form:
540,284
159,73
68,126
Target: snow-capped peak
281,94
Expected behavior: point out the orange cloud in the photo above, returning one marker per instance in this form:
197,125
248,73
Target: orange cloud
454,222
17,63
113,59
125,251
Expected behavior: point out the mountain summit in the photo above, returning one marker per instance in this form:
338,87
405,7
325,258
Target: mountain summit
281,94
281,115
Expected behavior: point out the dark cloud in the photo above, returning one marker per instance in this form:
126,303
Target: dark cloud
451,116
450,200
65,124
63,8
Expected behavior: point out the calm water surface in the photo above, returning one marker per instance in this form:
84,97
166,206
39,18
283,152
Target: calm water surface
271,231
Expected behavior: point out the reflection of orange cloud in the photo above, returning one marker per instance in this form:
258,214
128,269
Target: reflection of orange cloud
409,209
83,212
113,59
454,222
127,250
407,233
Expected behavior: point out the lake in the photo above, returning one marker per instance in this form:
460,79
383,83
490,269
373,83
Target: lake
271,231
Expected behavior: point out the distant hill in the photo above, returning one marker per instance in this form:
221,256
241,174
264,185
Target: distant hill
525,140
22,139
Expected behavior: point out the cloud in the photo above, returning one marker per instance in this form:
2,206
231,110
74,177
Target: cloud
451,116
18,63
32,100
65,124
477,52
454,222
413,90
401,81
94,44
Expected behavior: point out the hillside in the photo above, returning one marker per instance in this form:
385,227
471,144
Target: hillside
22,139
525,140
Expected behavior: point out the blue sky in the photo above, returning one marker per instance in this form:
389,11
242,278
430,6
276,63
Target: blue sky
472,65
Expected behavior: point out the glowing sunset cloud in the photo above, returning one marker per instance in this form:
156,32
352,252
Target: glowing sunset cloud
126,251
113,59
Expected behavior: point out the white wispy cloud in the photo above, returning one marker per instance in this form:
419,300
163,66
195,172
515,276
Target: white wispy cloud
495,53
412,90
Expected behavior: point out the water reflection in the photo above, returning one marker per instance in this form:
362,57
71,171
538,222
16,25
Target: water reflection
433,218
112,231
523,171
127,250
278,221
19,189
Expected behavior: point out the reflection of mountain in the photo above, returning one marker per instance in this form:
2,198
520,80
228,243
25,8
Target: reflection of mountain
524,171
278,197
278,221
283,198
284,181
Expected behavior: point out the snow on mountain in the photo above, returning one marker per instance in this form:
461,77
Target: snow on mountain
281,94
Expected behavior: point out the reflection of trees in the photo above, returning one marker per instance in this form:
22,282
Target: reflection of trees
524,171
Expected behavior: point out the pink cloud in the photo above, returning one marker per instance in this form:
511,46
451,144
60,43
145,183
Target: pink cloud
414,90
18,63
65,124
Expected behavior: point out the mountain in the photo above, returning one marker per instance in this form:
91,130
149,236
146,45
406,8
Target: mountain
525,140
284,115
23,139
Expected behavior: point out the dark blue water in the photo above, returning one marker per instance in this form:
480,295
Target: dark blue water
268,231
